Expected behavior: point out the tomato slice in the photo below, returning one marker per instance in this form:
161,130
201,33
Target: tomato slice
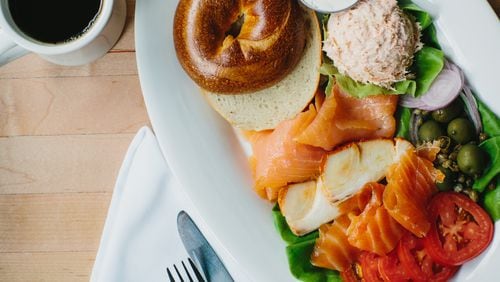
460,229
418,264
390,268
369,266
349,275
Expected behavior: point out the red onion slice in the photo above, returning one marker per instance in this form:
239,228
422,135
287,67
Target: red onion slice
442,92
472,108
413,128
451,66
409,101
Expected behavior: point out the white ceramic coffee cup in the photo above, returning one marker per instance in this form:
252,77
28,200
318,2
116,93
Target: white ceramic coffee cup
91,45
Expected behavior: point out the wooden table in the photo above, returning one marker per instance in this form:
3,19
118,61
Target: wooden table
63,134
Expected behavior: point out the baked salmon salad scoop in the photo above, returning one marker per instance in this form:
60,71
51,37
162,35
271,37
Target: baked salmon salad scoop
373,42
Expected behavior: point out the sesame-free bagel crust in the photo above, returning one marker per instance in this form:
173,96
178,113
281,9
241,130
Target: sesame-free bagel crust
268,46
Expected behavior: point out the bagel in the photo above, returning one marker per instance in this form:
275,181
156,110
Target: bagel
266,108
237,47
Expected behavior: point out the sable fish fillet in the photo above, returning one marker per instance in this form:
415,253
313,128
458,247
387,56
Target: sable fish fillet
279,160
344,118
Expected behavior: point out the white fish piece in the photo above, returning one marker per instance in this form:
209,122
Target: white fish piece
308,205
348,170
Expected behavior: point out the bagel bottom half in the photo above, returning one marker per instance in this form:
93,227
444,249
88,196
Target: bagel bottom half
266,108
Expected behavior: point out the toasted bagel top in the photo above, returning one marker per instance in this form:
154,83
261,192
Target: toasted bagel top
238,46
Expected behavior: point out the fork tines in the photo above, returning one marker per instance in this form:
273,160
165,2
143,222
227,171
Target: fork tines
186,274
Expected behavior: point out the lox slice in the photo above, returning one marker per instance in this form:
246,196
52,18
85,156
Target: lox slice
344,118
374,229
410,185
279,160
364,225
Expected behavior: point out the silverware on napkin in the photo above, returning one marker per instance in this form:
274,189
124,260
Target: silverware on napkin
200,250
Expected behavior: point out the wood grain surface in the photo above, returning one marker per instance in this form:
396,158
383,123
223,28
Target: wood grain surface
63,134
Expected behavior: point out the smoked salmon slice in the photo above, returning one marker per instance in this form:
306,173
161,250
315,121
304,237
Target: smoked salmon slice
374,229
278,159
365,225
343,118
332,249
410,185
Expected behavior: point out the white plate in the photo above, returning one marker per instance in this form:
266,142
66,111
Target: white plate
209,162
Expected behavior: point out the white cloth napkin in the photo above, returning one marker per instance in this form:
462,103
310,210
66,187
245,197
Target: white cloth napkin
140,236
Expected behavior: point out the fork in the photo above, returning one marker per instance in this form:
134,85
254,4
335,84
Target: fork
181,277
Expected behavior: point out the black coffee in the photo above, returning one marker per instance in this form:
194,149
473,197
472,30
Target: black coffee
54,21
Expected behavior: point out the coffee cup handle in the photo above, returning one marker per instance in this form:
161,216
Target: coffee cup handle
9,50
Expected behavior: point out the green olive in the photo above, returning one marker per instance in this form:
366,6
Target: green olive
471,159
449,179
430,130
448,113
461,130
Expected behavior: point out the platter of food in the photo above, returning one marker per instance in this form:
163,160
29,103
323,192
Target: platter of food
314,145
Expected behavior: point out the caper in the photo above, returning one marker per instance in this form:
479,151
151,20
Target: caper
447,164
455,168
458,187
441,158
471,159
447,113
461,130
449,179
453,155
469,182
472,194
429,131
461,178
482,137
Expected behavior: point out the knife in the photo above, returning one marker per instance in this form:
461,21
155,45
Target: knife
200,250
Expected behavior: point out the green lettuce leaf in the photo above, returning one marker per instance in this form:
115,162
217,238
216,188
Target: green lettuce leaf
428,64
492,148
298,259
491,123
361,90
491,202
429,37
358,89
491,126
323,19
299,251
403,122
420,15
